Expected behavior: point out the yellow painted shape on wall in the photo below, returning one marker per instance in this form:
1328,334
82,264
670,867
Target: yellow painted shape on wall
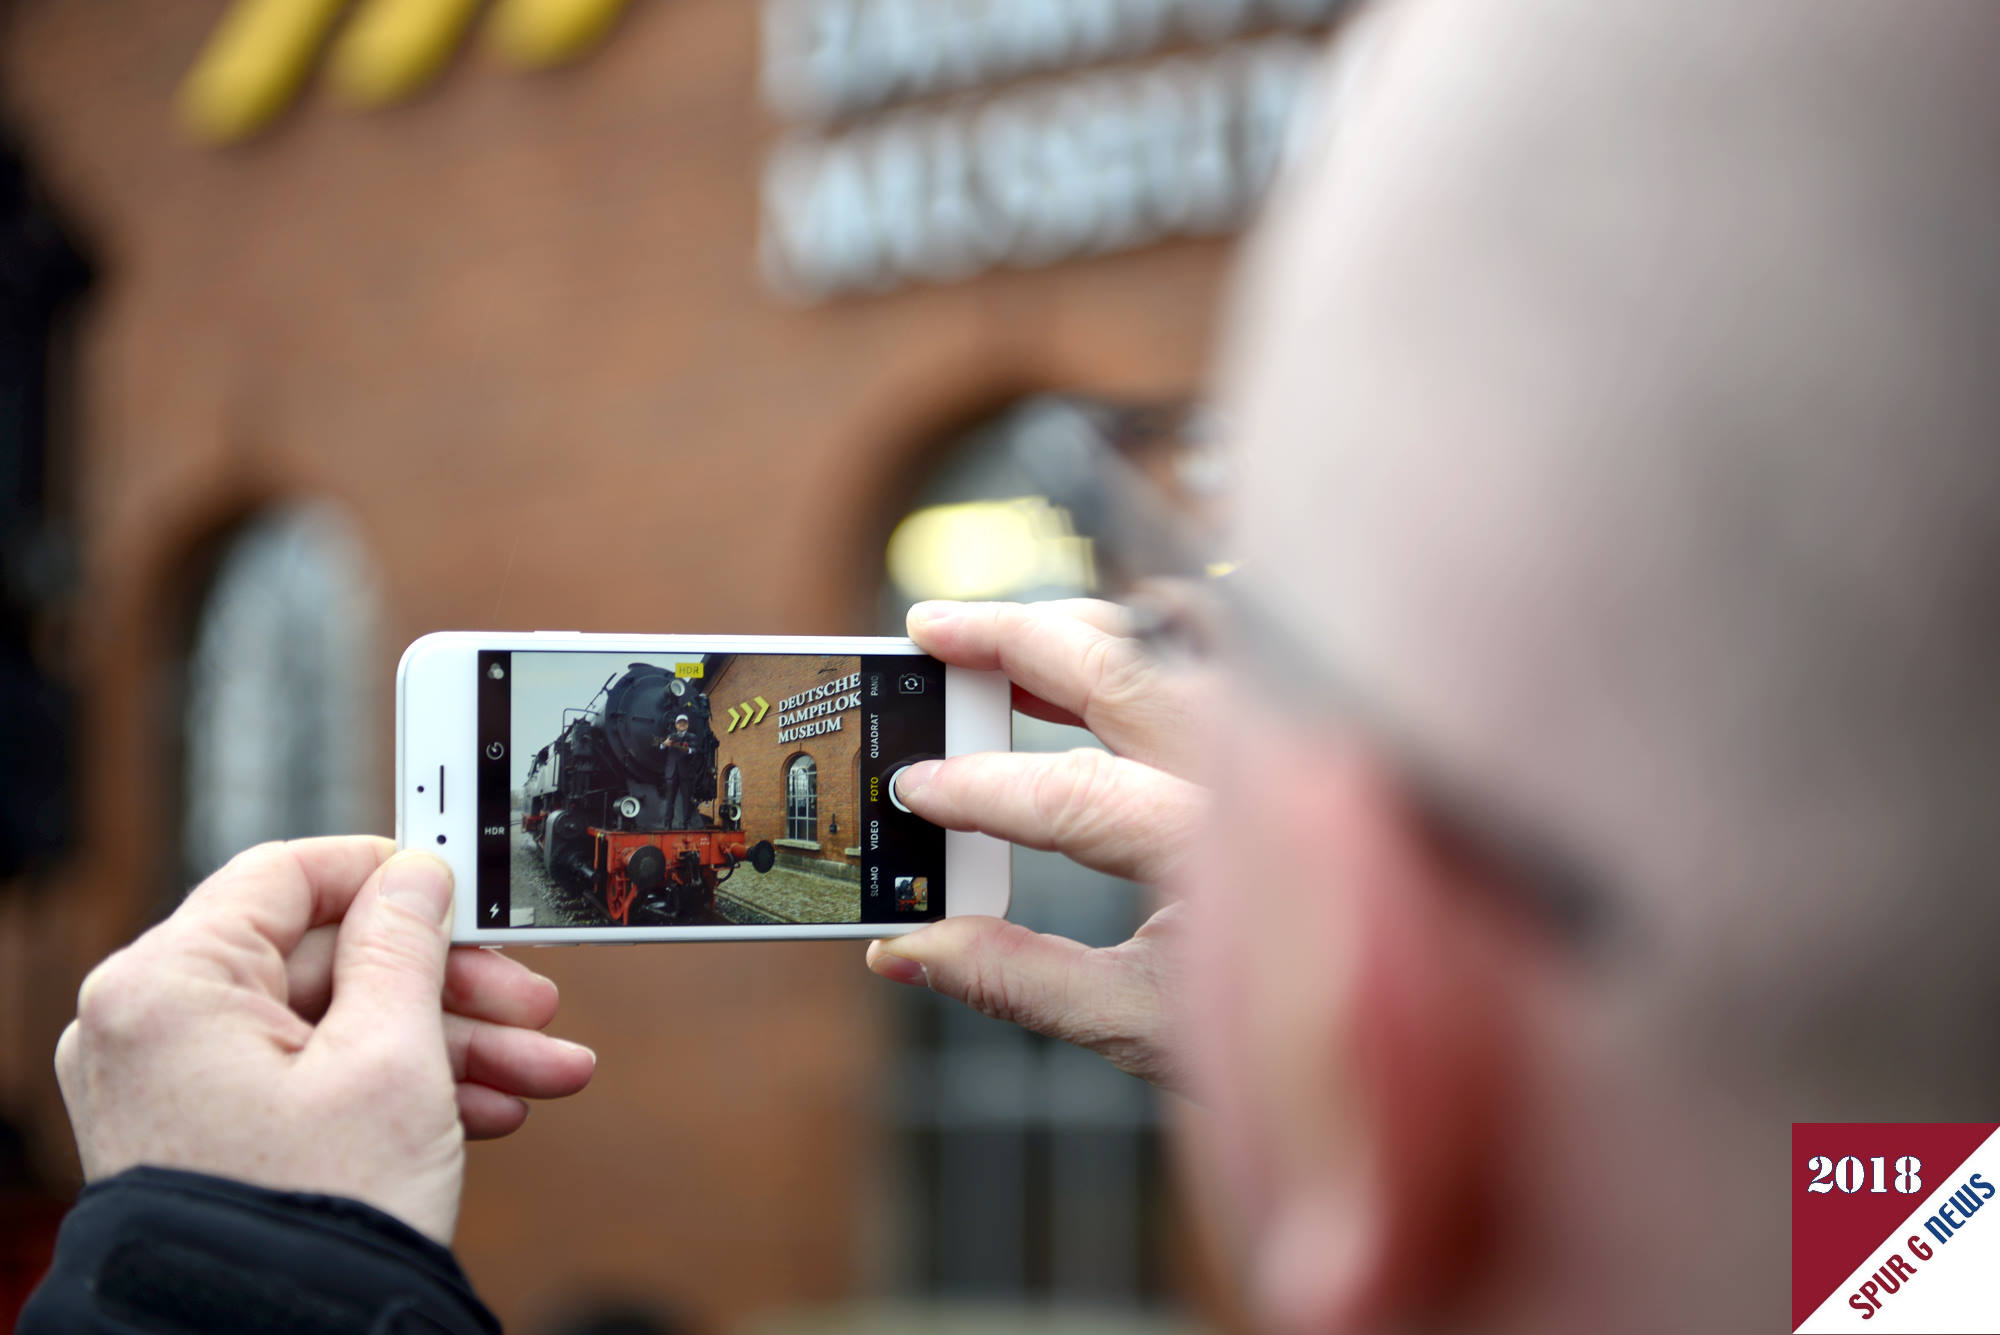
253,64
392,48
534,33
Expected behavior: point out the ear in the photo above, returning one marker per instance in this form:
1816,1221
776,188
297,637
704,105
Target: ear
1426,995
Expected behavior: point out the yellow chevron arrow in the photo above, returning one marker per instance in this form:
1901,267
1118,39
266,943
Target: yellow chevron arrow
262,51
745,707
253,63
762,705
535,33
732,720
392,48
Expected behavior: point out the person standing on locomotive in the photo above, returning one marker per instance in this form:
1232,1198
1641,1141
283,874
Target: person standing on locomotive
677,781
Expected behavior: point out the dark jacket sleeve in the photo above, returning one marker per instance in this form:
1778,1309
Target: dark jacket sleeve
173,1253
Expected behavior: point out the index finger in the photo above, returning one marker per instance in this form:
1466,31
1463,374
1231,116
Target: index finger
1073,654
283,890
1111,815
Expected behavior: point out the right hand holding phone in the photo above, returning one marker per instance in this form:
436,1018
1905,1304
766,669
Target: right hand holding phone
1129,812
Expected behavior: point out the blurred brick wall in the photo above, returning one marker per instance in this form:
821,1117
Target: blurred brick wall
495,324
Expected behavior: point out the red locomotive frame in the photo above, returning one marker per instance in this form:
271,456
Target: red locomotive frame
687,862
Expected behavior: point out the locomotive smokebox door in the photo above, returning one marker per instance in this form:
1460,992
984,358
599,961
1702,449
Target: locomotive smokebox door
638,711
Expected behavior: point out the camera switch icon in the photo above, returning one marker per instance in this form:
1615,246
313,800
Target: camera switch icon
910,683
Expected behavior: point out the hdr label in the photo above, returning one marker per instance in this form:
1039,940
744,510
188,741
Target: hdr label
1888,1229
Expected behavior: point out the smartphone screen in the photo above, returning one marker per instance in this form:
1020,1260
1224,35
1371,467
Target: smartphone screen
707,789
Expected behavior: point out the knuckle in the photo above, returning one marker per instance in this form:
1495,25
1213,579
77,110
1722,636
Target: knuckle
398,952
1013,618
250,861
257,854
67,1054
113,1001
1070,796
996,984
1116,674
1124,672
989,990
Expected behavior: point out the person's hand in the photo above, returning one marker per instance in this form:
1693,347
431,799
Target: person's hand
1130,813
301,1023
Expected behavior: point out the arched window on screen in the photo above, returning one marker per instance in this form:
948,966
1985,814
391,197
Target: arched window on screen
802,800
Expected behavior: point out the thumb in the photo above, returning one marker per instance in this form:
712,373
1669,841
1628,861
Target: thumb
389,955
1046,984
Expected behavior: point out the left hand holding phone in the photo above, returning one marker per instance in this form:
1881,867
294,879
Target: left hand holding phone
301,1023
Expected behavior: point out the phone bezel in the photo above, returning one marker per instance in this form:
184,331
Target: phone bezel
437,725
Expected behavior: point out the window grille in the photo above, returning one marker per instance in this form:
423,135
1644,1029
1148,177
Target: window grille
802,800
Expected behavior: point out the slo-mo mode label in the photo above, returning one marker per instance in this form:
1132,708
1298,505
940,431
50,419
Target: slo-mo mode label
1891,1230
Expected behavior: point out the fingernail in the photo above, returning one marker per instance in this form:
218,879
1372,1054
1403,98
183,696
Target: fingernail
934,613
588,1052
910,780
898,969
420,883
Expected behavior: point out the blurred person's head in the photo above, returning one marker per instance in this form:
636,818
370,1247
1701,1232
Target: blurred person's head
680,723
1619,422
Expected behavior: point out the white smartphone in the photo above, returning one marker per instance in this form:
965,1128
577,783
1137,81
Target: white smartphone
621,788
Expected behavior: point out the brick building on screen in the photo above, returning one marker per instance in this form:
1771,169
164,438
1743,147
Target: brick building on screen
788,754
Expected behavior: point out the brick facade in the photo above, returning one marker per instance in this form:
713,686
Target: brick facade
764,758
500,327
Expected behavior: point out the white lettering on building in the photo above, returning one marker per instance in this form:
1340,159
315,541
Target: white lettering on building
817,710
825,59
1080,164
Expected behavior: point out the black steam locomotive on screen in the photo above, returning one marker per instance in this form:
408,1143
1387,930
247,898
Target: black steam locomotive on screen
615,802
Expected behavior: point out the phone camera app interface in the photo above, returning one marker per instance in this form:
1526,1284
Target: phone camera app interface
704,789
